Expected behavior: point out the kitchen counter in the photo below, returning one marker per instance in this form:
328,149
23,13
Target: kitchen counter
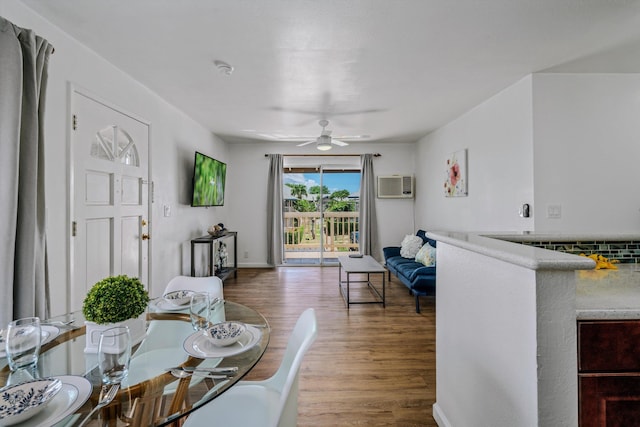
506,329
608,294
600,294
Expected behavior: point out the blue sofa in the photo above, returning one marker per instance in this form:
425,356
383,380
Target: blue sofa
420,280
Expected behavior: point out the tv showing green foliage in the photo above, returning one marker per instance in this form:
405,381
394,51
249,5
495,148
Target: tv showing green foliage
209,177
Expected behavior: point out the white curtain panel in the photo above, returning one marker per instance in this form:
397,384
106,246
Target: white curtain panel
368,234
274,210
24,60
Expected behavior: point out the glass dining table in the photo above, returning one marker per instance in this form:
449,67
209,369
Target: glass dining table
152,394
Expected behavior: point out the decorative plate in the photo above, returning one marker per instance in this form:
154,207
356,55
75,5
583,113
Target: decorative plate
22,401
75,391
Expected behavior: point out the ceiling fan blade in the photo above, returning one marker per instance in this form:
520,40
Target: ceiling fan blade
306,143
339,143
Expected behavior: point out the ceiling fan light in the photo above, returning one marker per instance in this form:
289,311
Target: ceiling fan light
323,146
324,143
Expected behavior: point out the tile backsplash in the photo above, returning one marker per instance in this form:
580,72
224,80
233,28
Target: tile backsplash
627,252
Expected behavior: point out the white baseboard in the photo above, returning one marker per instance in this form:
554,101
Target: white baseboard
439,416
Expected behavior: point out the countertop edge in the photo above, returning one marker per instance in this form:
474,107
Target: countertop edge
498,246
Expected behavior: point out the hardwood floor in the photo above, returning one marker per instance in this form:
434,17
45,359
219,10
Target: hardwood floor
370,366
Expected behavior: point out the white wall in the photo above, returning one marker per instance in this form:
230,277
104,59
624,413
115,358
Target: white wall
498,137
247,186
567,140
174,138
586,151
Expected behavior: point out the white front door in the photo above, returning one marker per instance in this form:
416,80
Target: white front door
110,209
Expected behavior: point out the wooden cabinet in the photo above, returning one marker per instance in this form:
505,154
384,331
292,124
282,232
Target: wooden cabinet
609,373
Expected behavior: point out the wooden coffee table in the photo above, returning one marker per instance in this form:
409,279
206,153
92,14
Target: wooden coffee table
365,265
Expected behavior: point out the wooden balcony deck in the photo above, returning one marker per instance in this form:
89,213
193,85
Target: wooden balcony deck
303,231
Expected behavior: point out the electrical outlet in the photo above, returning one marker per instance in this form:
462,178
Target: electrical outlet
246,254
167,210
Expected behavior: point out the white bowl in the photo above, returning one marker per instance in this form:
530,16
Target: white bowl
178,298
22,401
226,333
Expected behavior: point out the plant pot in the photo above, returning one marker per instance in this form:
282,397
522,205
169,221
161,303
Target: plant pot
137,329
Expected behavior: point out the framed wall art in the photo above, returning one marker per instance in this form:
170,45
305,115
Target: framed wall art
455,183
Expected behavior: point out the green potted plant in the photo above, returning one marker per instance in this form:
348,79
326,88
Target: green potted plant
115,300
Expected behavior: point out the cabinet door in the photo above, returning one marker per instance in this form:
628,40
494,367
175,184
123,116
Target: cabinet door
609,346
609,400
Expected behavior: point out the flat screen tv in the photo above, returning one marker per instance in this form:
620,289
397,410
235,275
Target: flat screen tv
209,177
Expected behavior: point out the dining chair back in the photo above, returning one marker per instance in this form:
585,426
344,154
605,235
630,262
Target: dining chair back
210,284
165,334
271,402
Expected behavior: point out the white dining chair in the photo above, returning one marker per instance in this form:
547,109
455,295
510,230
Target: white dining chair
271,402
172,333
210,284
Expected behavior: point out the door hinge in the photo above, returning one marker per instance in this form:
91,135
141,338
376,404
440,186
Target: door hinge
74,228
74,122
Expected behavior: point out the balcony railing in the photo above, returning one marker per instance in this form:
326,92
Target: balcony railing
302,232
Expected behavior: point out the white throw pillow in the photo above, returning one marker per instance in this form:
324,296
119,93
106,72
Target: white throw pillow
427,255
410,246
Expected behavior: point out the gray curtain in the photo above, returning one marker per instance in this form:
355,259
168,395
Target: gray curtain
368,234
274,210
23,261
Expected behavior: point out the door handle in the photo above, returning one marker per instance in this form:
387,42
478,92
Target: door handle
145,236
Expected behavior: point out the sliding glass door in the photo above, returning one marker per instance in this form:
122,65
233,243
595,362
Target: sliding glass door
321,210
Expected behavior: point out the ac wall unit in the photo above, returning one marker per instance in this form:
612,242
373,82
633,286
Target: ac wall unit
395,187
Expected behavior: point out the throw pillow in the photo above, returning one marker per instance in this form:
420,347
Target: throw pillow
427,255
410,246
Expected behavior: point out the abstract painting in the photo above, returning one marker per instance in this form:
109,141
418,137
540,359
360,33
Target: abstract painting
455,184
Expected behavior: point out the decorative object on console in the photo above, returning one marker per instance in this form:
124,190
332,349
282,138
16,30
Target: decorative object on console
111,302
455,184
222,256
216,230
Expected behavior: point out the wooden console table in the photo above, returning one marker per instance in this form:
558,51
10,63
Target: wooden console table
210,240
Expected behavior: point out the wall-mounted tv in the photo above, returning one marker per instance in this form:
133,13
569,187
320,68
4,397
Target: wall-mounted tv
209,177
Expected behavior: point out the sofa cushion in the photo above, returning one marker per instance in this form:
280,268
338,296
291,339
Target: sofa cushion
407,267
422,271
410,246
426,255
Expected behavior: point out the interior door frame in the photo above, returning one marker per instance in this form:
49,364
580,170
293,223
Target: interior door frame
72,89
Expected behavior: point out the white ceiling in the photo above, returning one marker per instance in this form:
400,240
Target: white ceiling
391,69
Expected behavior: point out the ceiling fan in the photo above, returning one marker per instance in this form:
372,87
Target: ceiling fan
324,142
